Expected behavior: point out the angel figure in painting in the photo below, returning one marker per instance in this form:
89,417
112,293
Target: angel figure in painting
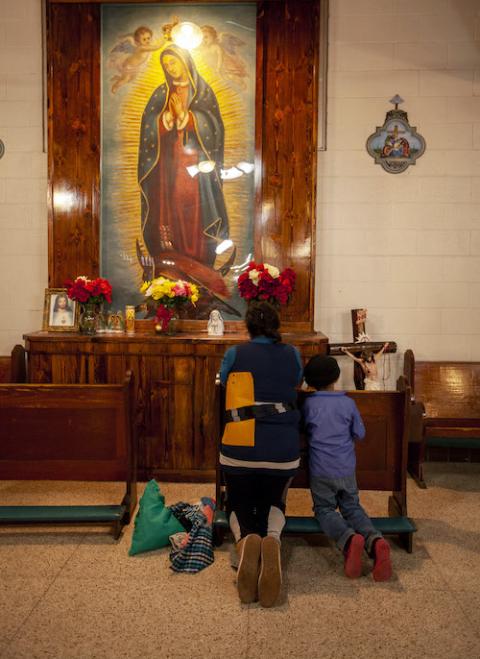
130,54
368,362
215,325
221,51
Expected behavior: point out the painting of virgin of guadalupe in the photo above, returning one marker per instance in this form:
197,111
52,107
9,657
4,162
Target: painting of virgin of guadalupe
181,203
182,128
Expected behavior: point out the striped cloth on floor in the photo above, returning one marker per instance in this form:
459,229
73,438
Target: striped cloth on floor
196,553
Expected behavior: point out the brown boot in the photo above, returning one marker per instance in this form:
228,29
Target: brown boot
270,579
248,566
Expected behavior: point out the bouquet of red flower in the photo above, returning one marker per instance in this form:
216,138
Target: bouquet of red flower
262,281
87,291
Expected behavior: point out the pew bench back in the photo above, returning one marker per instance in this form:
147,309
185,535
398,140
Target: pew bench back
64,432
68,432
449,391
449,396
381,463
381,456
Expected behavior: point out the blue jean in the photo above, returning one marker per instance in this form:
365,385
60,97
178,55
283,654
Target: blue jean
331,493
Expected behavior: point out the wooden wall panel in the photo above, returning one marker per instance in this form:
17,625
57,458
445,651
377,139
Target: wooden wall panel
289,121
73,64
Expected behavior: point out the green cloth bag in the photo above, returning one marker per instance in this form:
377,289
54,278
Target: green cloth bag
154,522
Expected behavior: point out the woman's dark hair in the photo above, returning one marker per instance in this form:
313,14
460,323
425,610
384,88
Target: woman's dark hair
262,319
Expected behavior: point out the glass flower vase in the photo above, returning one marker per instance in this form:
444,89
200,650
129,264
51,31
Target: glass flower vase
101,320
166,321
88,318
172,327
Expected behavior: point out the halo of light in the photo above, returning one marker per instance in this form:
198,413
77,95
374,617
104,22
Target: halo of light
187,35
206,166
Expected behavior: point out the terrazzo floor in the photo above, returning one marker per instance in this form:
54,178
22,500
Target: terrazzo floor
74,592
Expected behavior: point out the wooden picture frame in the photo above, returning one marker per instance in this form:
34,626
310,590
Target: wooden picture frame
58,318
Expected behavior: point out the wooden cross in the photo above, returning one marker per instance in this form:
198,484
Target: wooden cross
361,343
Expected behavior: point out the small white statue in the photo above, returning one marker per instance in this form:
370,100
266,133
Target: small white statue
215,323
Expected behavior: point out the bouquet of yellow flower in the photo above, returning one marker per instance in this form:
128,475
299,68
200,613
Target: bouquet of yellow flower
168,295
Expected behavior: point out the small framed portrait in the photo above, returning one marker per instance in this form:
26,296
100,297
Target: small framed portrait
60,313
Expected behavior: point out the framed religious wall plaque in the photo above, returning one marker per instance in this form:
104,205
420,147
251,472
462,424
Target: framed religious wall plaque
396,145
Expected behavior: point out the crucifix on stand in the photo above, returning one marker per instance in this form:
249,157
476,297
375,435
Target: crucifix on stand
365,354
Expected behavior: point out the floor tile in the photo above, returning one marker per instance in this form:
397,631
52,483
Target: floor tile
122,618
469,603
35,552
364,624
18,598
75,592
459,565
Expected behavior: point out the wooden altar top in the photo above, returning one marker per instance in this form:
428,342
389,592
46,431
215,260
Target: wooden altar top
152,338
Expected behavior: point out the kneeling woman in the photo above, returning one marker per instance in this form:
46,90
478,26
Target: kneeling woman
260,448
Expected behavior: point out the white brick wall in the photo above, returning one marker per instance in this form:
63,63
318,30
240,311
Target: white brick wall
23,173
405,246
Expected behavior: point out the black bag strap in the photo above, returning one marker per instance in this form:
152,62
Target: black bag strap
257,411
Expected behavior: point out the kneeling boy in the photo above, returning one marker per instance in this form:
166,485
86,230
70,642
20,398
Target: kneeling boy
333,424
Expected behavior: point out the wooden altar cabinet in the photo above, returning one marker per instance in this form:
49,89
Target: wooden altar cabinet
175,393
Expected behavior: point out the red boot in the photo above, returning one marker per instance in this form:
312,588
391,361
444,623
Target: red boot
353,557
382,566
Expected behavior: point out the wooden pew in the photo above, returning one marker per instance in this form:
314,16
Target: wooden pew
69,432
14,367
381,465
445,407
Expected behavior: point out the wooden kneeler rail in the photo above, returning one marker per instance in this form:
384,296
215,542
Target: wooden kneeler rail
381,465
69,432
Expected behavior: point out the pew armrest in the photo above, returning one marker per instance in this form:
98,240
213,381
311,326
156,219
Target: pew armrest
417,415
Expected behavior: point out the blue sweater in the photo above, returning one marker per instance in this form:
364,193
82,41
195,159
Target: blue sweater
333,423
